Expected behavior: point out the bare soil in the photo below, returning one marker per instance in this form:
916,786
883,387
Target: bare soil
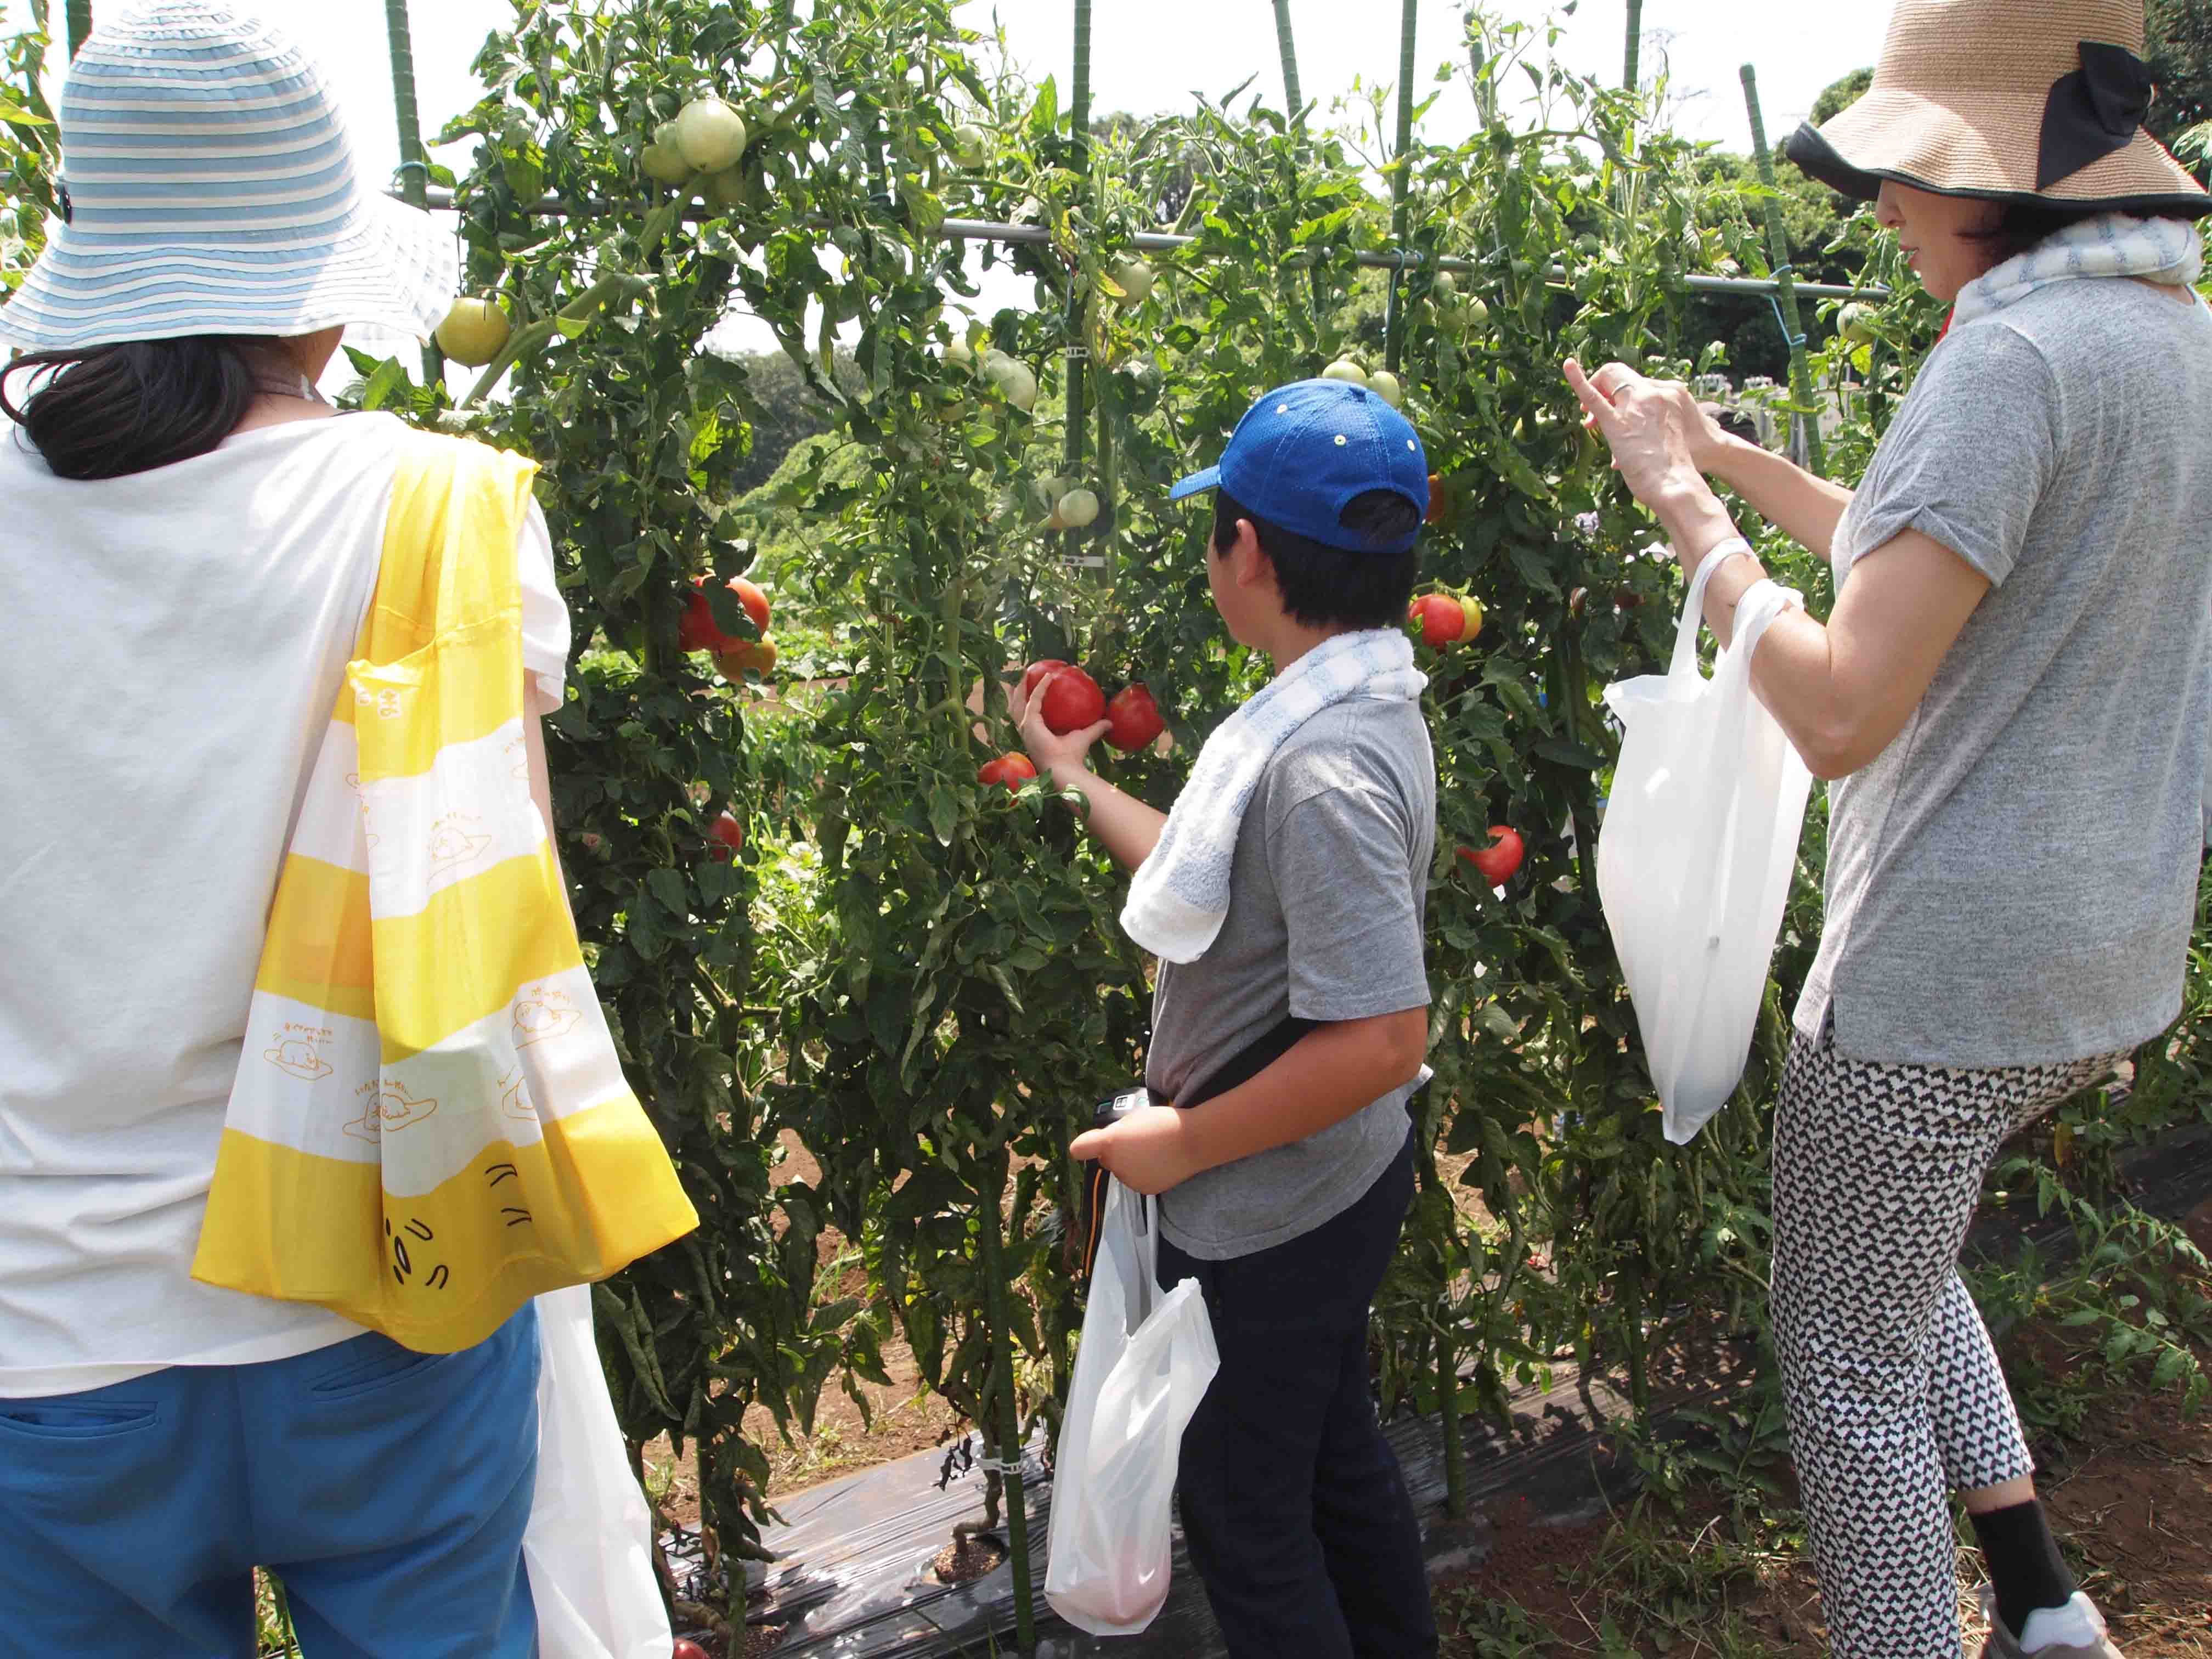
2132,1499
901,1418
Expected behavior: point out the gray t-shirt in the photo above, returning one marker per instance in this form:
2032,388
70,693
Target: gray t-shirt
2013,881
1326,902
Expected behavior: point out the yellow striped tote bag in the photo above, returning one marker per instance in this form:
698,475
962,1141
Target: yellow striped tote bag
429,1124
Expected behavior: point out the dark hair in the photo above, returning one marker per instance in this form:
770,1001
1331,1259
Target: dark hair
106,411
1325,587
2022,225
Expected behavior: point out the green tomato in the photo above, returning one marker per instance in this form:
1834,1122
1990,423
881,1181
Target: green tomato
970,144
474,333
727,190
1855,322
1344,369
709,135
663,165
1134,278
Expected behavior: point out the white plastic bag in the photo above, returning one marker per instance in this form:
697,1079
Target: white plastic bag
1696,855
589,1543
1145,1363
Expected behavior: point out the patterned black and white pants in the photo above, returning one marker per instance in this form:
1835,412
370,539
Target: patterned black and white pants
1894,1393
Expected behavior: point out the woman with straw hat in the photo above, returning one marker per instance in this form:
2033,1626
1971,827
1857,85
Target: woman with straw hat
195,540
2010,694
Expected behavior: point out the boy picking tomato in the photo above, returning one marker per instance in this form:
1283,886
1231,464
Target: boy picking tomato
1284,894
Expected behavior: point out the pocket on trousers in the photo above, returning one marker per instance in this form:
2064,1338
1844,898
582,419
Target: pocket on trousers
64,1420
373,1364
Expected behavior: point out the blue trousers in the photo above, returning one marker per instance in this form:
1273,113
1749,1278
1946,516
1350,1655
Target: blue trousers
1294,1508
387,1491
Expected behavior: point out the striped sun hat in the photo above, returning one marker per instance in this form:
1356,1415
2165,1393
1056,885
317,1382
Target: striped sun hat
210,188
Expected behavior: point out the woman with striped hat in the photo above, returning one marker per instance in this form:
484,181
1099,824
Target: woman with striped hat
195,538
2010,695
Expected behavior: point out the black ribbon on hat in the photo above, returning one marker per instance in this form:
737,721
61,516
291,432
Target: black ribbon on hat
2092,112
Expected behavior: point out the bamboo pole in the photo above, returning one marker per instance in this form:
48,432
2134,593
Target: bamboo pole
414,163
1786,289
80,23
1286,47
1632,54
1077,359
1393,320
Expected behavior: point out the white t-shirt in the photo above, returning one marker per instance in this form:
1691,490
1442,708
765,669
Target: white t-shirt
175,642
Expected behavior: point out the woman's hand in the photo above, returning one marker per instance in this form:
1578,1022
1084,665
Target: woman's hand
1658,435
1148,1151
1051,751
1662,441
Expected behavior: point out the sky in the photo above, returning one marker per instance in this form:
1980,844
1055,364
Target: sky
1149,57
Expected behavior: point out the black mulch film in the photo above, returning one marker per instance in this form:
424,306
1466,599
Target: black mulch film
854,1574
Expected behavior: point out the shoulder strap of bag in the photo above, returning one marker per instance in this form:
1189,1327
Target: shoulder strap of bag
1243,1066
449,542
1249,1061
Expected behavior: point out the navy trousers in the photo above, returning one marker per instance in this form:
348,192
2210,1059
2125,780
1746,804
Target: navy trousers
1292,1502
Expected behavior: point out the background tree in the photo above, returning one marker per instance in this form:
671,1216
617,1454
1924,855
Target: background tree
1840,95
2180,52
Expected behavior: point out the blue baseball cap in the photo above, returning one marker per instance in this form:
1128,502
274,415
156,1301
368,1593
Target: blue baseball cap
1304,450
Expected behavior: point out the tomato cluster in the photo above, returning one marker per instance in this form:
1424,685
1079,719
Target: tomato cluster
1071,702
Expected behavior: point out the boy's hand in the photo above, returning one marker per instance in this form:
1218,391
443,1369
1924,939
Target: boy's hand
1051,751
1148,1151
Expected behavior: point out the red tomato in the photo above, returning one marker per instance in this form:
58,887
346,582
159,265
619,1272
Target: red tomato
687,1649
1496,862
729,833
1071,701
1440,617
697,631
1136,718
1037,670
1012,770
1439,509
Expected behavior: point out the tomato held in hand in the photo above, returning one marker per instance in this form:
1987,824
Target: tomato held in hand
1071,701
1012,770
1496,863
1136,718
1036,671
1441,618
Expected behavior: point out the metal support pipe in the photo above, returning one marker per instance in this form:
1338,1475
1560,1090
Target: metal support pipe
1786,289
414,163
1402,160
992,230
1078,362
1286,43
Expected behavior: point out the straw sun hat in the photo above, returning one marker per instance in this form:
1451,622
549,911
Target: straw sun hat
209,187
2015,100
